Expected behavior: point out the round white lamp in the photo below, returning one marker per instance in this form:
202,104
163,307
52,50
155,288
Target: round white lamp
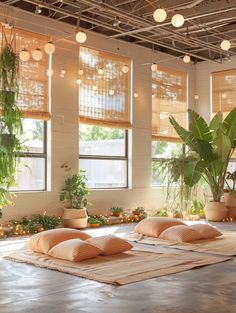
37,54
100,71
81,37
159,15
81,72
135,94
111,92
49,73
154,67
186,59
125,69
78,81
225,45
24,55
177,20
49,48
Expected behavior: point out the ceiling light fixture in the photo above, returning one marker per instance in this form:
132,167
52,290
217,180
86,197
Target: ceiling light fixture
186,59
49,73
196,97
159,15
78,81
125,69
81,37
100,71
81,72
223,95
38,9
111,92
24,55
62,73
49,48
37,54
225,45
116,21
177,20
154,67
135,94
95,87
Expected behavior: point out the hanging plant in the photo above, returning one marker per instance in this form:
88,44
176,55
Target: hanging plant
10,119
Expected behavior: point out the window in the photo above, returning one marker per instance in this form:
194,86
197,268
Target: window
31,174
103,154
223,93
104,116
169,97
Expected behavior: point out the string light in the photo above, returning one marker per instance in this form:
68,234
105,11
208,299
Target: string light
24,55
81,37
135,94
37,54
177,20
49,48
81,72
154,67
100,71
159,15
125,69
78,81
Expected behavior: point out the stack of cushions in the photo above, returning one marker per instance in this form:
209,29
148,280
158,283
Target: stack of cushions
175,230
75,245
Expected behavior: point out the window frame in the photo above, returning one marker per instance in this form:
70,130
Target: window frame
113,158
37,155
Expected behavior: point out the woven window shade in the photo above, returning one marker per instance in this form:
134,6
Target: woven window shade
104,99
223,91
32,97
169,97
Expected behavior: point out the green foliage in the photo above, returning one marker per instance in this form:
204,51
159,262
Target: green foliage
197,207
116,209
213,146
232,177
75,190
162,213
94,219
10,123
139,210
34,224
88,133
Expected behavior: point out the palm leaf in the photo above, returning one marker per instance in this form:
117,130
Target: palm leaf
223,145
198,127
184,134
230,125
205,150
215,123
192,172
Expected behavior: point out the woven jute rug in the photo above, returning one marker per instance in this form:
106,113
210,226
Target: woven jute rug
138,264
224,245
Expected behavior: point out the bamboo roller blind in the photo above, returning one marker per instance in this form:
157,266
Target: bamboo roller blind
169,97
223,91
104,99
32,97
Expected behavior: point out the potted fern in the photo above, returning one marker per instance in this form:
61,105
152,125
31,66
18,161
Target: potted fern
213,146
74,195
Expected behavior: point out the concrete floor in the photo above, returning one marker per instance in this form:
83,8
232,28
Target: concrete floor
24,288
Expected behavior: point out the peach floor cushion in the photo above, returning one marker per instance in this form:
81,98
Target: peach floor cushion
74,250
154,226
206,231
110,244
180,233
44,241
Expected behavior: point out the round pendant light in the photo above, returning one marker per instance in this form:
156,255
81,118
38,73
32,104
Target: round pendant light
95,87
125,69
62,73
111,92
37,54
225,45
154,67
186,59
135,94
81,37
159,15
177,20
24,55
49,48
196,96
100,71
78,81
49,73
80,72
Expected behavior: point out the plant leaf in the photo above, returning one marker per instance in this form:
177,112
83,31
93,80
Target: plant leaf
193,171
230,125
198,127
205,150
223,145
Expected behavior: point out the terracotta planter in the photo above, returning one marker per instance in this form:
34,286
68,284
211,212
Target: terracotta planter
75,218
76,222
230,201
94,225
215,211
115,214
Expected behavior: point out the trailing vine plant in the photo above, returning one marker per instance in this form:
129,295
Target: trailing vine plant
10,118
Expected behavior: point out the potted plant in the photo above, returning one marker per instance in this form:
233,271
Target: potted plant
10,119
196,210
73,194
212,146
95,221
230,194
116,211
139,211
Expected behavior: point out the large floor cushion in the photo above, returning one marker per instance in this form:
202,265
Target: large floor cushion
154,226
44,241
110,244
74,250
180,233
207,231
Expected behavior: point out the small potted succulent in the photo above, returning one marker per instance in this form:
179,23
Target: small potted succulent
95,221
139,211
116,211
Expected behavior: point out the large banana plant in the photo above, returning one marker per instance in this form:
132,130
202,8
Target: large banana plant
213,146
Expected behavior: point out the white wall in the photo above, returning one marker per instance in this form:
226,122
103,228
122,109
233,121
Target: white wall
64,122
203,78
